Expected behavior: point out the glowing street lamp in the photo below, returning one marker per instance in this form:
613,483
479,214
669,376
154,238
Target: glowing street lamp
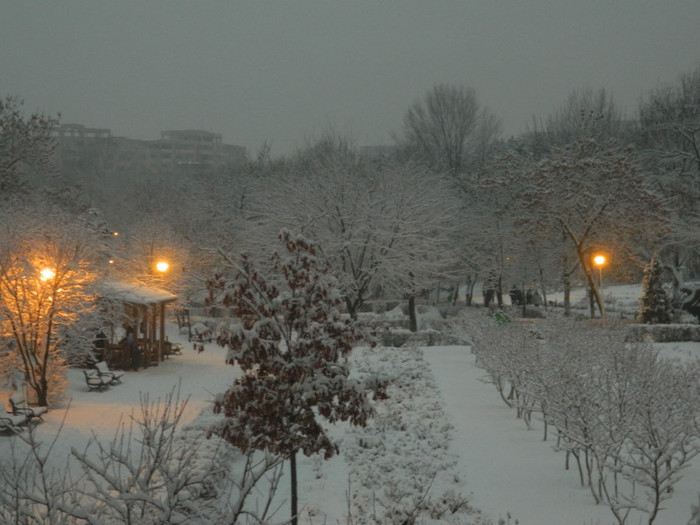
599,260
47,274
162,266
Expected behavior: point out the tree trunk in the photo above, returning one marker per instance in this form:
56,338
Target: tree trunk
499,292
42,394
293,473
351,307
413,320
544,292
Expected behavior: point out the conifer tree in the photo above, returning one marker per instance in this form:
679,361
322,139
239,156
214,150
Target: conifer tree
656,305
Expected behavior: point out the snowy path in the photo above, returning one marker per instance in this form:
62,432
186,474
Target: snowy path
511,469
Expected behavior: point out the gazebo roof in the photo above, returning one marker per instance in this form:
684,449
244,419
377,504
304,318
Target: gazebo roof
135,293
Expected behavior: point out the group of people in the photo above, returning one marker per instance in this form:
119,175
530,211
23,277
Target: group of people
100,345
532,297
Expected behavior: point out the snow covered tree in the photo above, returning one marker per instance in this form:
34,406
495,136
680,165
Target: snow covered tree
656,304
25,144
385,228
592,193
291,344
669,136
45,274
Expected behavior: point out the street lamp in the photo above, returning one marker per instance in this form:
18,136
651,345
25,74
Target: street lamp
162,266
47,274
599,260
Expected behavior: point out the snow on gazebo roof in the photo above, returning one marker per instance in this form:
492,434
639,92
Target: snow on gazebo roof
135,293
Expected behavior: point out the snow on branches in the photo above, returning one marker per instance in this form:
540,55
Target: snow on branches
291,342
628,417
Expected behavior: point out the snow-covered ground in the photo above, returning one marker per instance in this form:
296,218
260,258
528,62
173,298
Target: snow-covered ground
474,443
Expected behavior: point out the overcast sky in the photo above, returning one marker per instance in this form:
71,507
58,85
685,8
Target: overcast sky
287,71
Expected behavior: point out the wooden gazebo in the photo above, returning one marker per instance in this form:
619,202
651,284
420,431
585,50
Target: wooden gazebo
144,306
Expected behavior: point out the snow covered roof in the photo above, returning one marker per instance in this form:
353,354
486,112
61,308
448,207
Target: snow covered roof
135,293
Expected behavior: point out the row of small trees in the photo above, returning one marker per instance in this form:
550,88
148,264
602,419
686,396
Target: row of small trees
628,418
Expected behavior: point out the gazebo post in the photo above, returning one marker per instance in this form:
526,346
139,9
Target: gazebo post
161,339
146,339
153,340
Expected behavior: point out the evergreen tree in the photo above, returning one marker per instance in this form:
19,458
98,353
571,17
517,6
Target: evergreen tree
656,305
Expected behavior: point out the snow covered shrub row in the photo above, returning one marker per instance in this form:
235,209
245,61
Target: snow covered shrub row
402,337
401,468
664,333
627,418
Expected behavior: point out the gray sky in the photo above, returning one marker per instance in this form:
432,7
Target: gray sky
288,71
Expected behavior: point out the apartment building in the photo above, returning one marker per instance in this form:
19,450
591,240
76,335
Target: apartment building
177,152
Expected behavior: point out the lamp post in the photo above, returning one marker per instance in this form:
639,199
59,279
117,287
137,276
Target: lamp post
162,266
599,260
47,274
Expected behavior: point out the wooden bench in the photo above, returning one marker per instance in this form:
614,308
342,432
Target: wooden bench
172,348
104,372
11,422
95,381
20,408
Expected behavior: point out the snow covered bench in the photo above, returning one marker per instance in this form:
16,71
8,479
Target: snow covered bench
10,422
20,408
104,372
95,381
172,348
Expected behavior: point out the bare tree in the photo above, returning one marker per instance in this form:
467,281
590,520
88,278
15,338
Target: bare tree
669,136
25,144
153,470
447,130
585,113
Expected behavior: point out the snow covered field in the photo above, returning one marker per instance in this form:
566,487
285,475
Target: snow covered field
445,425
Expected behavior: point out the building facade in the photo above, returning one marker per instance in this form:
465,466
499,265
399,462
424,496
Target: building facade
177,152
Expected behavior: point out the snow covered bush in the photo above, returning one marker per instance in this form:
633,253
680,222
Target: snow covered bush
401,468
666,333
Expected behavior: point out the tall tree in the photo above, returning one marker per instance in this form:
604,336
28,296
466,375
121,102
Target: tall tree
26,144
656,305
584,113
291,344
669,134
448,130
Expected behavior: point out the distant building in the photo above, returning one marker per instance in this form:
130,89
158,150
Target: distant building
191,152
